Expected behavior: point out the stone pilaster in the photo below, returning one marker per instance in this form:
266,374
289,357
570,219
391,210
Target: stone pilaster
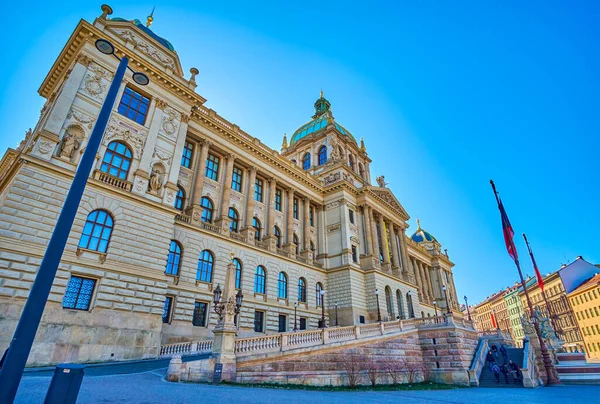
406,272
195,210
395,254
289,246
374,245
248,230
223,220
384,244
367,229
270,228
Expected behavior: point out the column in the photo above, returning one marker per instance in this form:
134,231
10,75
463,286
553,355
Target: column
384,243
269,228
367,230
248,230
395,261
375,246
289,247
306,231
425,283
195,211
321,239
429,282
174,172
223,220
404,255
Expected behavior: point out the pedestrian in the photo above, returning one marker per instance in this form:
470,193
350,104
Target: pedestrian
495,350
504,353
496,371
490,359
505,372
518,376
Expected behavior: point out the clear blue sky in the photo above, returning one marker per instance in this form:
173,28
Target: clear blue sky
446,94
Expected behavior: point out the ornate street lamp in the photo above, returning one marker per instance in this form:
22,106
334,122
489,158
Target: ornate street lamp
23,337
233,305
446,296
378,310
468,311
295,316
322,293
435,307
336,316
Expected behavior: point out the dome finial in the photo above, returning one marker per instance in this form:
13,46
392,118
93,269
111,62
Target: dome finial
150,19
322,94
418,224
362,144
284,145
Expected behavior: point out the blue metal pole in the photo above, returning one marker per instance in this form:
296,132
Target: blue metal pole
20,346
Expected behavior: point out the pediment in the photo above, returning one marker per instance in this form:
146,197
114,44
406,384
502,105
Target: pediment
387,196
146,46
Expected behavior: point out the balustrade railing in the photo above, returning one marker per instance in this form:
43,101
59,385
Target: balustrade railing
262,343
112,181
342,333
237,236
183,218
210,227
370,329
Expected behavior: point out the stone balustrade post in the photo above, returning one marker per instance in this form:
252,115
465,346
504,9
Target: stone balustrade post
357,331
381,327
325,336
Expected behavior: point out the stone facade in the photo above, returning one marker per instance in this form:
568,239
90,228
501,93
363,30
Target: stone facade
321,222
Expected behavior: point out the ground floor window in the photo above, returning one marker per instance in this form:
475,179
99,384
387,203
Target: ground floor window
302,323
199,315
259,321
79,293
167,308
282,323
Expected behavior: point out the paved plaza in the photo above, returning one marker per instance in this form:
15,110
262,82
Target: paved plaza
150,387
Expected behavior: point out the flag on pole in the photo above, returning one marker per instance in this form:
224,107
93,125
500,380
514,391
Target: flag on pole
538,275
509,234
494,323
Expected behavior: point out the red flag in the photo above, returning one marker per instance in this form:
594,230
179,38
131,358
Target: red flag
509,234
494,324
538,275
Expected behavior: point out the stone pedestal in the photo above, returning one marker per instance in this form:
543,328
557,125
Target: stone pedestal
290,249
224,350
271,241
195,212
223,223
248,232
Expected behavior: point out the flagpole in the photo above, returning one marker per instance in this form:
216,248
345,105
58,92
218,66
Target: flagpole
551,375
535,268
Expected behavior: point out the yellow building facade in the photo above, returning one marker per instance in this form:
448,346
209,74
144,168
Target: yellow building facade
585,301
175,190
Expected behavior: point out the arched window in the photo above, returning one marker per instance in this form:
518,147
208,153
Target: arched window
179,198
238,273
282,289
389,303
174,259
233,220
256,225
277,234
319,298
259,280
207,210
301,290
351,161
400,304
297,242
322,155
361,170
409,304
117,160
97,230
306,161
205,266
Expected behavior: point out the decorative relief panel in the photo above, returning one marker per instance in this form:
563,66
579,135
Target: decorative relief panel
237,197
334,228
80,117
120,130
332,205
161,156
169,125
96,82
331,178
146,48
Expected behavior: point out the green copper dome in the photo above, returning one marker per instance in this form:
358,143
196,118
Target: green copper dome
321,119
147,30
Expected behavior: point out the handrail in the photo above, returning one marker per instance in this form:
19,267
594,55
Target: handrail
478,362
528,368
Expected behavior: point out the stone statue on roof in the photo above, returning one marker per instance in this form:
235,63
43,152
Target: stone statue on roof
381,181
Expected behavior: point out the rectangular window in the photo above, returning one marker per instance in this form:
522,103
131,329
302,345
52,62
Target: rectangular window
134,105
258,190
354,254
236,180
167,308
295,208
199,315
302,323
79,293
351,215
259,321
186,156
278,199
310,216
212,167
361,319
282,323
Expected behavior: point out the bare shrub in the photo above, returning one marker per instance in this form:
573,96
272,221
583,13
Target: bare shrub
372,367
353,366
413,369
394,369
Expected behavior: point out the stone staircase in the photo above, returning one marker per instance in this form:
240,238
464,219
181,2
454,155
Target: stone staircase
487,378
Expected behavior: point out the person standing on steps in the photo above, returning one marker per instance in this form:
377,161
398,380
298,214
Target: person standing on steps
496,371
505,372
504,353
490,359
495,350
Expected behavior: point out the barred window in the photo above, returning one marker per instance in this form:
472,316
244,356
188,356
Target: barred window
134,105
186,156
205,266
167,308
174,259
236,179
238,273
79,293
282,289
212,167
179,198
278,199
117,160
259,280
258,190
97,231
207,211
301,290
199,315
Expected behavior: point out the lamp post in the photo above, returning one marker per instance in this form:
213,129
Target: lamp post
446,296
378,311
295,316
411,310
336,316
435,307
322,293
468,311
22,340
